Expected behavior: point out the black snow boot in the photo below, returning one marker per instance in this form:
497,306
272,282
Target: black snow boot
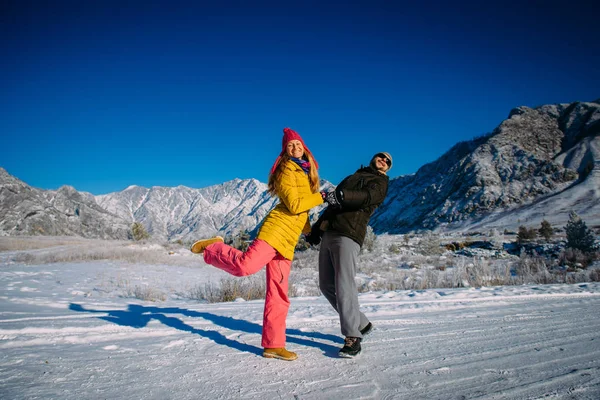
351,347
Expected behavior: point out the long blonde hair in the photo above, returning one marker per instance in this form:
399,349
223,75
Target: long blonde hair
313,174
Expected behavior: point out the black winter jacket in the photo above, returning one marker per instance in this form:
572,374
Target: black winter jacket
362,192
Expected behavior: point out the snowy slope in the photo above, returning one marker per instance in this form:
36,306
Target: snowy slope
65,333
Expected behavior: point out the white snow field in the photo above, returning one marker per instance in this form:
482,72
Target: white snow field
67,332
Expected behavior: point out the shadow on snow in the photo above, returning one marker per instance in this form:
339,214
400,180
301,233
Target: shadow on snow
138,316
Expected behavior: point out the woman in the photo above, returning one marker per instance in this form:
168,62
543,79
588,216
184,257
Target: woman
295,180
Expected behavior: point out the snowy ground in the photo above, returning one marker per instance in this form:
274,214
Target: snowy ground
66,332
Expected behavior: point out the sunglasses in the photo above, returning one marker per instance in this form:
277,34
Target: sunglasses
384,158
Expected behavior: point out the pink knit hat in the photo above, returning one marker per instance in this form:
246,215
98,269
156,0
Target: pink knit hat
289,135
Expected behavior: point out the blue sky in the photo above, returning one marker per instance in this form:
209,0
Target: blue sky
103,95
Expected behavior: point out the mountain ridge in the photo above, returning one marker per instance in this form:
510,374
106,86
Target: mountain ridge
539,163
533,154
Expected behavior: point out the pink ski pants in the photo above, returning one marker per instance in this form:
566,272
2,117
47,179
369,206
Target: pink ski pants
239,263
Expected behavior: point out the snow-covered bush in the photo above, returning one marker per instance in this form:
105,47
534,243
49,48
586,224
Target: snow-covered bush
146,293
370,238
575,258
430,244
531,269
496,238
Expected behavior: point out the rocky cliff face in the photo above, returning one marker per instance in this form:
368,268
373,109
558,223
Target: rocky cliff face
530,157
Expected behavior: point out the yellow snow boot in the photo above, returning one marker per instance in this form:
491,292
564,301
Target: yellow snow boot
200,245
280,353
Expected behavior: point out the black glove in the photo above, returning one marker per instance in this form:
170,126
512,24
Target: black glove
312,238
335,198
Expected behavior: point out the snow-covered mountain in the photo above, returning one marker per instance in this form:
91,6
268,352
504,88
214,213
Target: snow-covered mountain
168,213
185,213
30,211
537,164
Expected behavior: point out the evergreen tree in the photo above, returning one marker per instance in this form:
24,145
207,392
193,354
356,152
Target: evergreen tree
525,234
546,230
579,236
138,232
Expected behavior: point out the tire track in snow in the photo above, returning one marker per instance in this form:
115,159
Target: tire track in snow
459,363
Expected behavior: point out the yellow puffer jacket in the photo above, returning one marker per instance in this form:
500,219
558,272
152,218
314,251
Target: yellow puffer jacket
282,227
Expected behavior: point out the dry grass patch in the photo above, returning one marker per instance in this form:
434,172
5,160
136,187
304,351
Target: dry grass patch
146,293
19,243
44,250
230,289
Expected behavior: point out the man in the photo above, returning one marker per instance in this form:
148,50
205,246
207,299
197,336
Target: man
342,229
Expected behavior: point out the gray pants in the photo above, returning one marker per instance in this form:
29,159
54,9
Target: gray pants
337,269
